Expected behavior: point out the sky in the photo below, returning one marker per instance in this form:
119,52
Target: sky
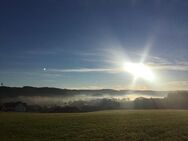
84,44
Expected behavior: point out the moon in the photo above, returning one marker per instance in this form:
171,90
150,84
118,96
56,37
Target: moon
44,69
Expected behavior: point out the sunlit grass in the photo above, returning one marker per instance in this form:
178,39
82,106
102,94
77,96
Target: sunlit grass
104,125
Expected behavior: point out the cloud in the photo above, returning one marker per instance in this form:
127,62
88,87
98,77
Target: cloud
157,63
172,67
84,70
39,52
176,85
55,50
154,66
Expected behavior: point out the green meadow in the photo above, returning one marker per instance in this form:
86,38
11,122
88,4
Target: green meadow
112,125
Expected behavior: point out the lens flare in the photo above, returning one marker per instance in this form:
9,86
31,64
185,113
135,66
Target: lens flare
139,70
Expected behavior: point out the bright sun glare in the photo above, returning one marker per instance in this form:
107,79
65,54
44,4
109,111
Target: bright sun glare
139,70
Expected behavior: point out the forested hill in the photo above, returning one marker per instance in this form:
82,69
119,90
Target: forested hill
48,91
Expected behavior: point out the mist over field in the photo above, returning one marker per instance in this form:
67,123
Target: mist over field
44,99
54,96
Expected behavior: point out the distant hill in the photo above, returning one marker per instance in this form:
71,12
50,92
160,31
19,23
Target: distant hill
47,91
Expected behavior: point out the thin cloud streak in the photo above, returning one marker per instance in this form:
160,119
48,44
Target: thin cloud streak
176,85
84,70
154,66
170,67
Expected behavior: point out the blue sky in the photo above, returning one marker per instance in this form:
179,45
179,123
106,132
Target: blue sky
82,44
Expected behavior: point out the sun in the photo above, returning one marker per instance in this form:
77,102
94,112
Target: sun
139,70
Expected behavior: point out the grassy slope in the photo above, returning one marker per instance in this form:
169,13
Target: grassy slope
105,125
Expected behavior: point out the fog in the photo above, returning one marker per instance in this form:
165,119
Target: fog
65,100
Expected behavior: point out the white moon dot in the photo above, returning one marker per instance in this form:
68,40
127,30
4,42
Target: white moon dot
44,69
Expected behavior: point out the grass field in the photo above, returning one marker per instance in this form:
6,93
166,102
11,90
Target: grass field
133,125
